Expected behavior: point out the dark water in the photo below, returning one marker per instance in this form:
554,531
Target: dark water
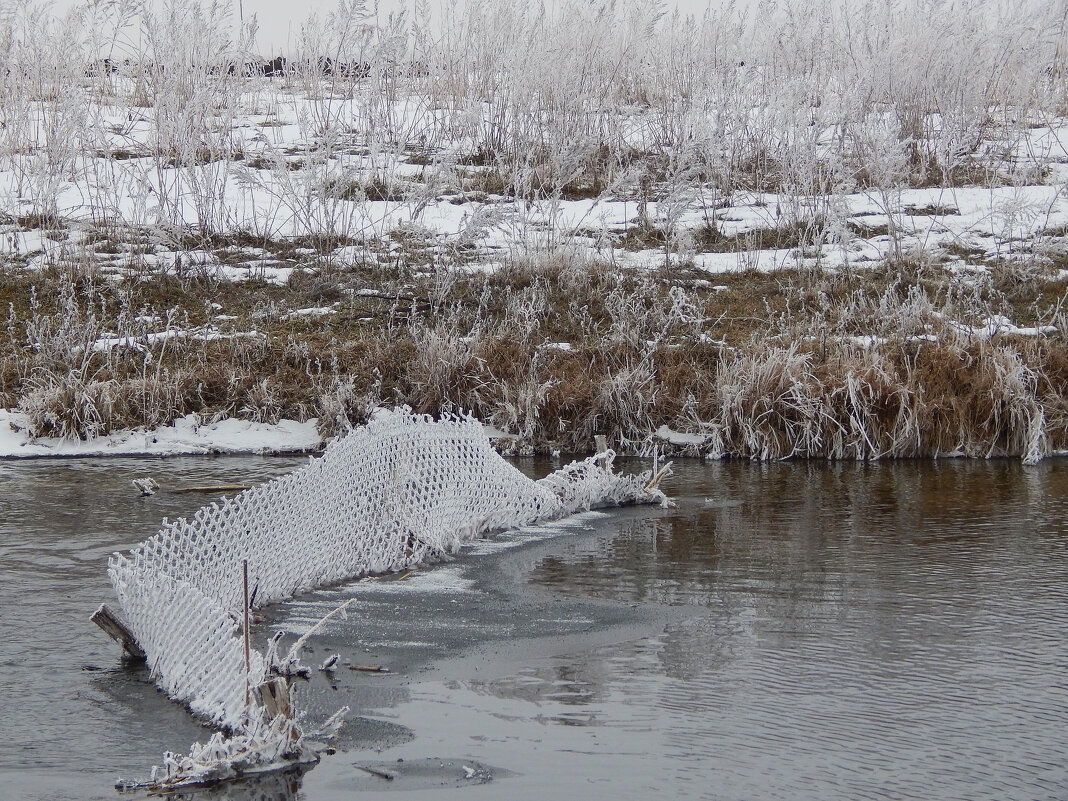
896,631
795,631
73,718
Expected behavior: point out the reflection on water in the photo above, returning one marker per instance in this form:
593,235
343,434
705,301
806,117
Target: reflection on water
796,529
836,632
869,630
278,786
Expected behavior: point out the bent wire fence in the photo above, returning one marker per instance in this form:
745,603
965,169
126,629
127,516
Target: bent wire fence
397,492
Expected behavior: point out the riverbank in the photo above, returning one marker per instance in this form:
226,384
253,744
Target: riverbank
894,360
761,253
188,435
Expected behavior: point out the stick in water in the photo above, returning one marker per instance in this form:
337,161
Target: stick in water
248,664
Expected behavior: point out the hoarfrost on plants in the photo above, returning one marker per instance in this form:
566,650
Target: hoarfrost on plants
530,234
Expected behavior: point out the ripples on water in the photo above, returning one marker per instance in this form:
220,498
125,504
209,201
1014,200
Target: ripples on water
848,631
884,631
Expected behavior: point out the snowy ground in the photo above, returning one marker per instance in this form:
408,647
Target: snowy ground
299,237
187,435
285,184
1005,222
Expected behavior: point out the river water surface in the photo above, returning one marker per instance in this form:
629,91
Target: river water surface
793,630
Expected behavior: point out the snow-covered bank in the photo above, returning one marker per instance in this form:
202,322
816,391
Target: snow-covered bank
583,233
187,436
682,145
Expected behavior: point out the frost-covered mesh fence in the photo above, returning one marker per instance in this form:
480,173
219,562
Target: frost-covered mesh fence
389,495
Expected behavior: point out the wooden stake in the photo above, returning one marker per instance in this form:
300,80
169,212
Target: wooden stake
600,444
274,696
248,663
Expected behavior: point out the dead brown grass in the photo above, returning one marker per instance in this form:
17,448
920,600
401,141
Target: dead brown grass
555,350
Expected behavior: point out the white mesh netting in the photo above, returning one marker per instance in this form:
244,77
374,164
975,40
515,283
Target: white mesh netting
387,496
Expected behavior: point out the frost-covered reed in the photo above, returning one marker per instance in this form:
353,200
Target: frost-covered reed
381,158
553,352
125,114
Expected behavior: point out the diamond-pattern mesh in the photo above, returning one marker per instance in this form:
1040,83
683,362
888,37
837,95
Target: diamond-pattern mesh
385,497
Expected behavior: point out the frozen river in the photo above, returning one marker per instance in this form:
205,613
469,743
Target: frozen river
793,630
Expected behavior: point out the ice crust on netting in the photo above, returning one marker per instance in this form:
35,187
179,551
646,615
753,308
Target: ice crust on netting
392,494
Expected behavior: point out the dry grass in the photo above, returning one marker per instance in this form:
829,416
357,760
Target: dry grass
555,348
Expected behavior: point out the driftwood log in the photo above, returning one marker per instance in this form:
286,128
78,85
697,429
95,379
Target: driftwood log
113,626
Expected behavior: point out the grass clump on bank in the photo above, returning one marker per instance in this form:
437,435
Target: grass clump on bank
552,348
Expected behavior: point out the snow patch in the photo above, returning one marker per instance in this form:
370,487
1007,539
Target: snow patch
187,436
679,438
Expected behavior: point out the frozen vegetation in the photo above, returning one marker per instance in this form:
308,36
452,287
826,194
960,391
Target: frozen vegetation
400,492
836,231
